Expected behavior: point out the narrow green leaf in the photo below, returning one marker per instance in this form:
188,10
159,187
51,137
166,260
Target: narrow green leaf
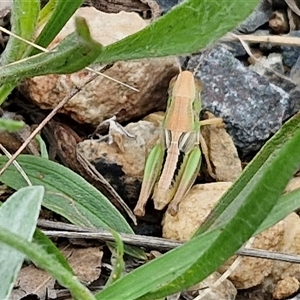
167,36
72,54
204,22
43,147
117,260
23,19
18,214
44,242
158,271
46,261
61,11
11,125
252,202
286,204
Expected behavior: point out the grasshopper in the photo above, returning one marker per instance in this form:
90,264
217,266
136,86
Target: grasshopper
173,164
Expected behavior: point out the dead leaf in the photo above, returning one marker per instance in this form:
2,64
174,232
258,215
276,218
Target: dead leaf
85,262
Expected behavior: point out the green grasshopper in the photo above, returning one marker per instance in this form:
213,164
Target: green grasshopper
164,174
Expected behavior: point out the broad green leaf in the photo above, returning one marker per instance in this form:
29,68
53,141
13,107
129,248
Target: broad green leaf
11,125
69,195
66,193
75,52
18,214
167,36
252,202
187,28
46,261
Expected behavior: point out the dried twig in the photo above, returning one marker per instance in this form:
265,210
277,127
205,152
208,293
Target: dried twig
73,231
272,39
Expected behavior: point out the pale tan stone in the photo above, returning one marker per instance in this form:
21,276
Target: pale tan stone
286,287
103,98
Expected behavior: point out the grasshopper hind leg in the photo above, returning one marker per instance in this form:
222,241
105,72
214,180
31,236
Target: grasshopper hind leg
186,178
153,168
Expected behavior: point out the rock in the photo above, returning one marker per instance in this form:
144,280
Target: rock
295,72
290,53
286,287
273,61
293,185
122,162
272,68
258,17
166,5
103,98
222,153
251,107
224,291
290,244
5,6
252,271
193,209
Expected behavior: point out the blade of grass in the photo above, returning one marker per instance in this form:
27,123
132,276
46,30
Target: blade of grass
60,12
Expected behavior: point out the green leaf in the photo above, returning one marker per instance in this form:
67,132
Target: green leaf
286,204
66,193
188,27
73,53
69,195
117,259
18,214
42,145
167,36
158,271
23,19
255,194
11,125
60,11
46,261
44,242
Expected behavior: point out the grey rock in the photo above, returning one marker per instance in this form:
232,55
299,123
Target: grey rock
251,107
295,72
258,17
235,47
166,5
272,68
291,54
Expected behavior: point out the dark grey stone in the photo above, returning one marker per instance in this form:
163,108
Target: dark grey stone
290,54
166,5
257,18
252,108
